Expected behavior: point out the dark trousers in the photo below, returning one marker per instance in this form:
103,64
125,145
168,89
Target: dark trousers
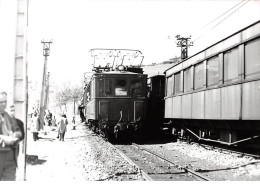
35,136
62,136
7,166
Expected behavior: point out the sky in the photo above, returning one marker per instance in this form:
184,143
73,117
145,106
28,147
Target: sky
76,26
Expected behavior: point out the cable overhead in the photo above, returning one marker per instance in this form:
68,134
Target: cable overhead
218,17
222,19
229,15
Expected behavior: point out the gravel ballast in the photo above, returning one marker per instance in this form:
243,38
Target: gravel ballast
82,156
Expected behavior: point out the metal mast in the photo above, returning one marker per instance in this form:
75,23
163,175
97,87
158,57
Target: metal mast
47,91
46,53
184,44
20,94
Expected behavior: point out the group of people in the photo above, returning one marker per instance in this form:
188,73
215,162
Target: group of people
48,118
11,133
36,126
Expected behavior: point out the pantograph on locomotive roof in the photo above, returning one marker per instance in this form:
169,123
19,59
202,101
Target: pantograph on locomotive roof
115,59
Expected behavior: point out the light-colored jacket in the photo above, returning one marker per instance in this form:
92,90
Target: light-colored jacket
62,125
36,124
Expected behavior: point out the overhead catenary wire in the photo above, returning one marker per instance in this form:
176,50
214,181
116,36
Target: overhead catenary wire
218,17
222,19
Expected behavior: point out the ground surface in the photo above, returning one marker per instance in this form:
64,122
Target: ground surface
82,156
211,163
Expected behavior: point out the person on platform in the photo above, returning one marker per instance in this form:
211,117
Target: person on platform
53,121
62,127
35,126
81,113
48,117
10,136
18,121
73,123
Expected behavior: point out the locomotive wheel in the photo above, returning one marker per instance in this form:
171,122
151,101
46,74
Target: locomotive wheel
117,135
90,125
188,138
94,128
107,134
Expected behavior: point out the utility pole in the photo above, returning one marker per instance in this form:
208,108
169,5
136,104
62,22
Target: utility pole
184,44
46,53
20,79
46,100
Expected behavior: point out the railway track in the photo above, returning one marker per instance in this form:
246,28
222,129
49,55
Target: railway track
152,163
155,167
226,150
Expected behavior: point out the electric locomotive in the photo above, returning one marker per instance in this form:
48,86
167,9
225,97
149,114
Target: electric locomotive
214,95
115,96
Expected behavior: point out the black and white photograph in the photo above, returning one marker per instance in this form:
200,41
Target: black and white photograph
129,90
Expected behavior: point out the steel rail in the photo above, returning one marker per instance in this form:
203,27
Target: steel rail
129,160
227,150
169,161
222,142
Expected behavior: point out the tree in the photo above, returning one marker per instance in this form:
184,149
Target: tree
77,93
68,93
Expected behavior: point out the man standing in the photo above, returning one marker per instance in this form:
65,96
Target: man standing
36,125
10,135
73,121
19,123
62,127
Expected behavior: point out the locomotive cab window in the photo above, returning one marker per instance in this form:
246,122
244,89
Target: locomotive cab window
231,60
136,87
105,87
121,87
252,59
213,71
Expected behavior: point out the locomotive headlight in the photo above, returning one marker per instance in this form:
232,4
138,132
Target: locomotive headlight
121,68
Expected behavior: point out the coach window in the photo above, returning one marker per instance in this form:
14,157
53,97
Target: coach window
252,59
187,80
177,83
199,76
105,87
121,87
169,85
136,87
231,65
213,71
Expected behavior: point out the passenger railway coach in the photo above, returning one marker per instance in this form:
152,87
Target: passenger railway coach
215,94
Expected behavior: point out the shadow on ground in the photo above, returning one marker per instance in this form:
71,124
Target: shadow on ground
46,139
34,160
